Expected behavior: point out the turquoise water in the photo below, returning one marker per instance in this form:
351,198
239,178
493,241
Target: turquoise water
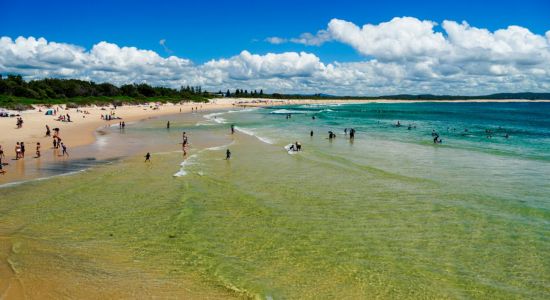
388,215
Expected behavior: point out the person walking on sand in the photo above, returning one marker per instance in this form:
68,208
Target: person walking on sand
2,171
227,154
148,157
38,150
1,152
22,150
48,132
64,150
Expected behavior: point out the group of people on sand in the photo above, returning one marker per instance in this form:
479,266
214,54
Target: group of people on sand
110,116
19,122
64,118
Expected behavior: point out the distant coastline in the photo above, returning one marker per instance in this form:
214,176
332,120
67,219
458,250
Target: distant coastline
18,94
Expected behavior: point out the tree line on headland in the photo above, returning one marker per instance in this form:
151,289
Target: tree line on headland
17,93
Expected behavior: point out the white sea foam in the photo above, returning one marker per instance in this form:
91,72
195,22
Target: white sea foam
5,185
291,152
214,117
184,164
218,148
290,111
251,132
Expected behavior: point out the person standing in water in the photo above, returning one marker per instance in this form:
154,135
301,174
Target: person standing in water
232,129
168,125
38,150
2,171
227,154
184,139
148,157
352,134
311,133
64,148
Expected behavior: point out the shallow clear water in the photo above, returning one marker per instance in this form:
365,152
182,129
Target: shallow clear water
388,215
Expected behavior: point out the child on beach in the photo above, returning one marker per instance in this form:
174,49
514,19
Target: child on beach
227,154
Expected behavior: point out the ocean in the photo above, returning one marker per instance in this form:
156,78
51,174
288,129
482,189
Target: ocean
388,214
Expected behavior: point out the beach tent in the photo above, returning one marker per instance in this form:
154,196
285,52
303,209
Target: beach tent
49,112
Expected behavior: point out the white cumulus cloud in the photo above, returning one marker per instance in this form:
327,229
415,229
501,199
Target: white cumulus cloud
403,55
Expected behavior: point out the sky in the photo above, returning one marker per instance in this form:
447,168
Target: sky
339,47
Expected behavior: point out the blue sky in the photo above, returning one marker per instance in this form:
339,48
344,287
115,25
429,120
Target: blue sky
203,30
405,47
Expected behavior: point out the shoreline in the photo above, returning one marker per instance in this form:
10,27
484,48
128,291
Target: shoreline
84,128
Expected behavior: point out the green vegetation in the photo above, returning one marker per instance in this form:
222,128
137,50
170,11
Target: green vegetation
16,93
